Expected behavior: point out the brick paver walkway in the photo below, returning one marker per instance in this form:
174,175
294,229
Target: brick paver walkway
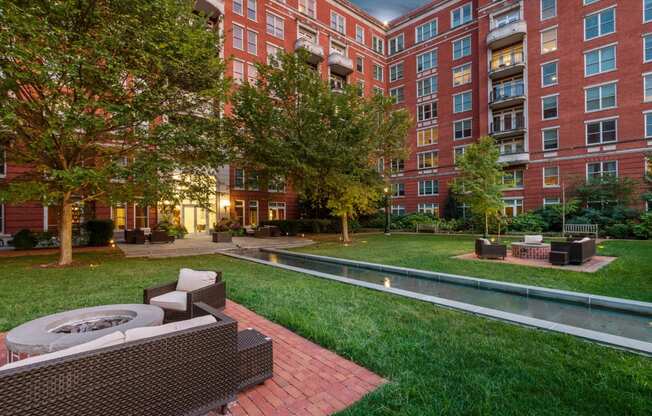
308,380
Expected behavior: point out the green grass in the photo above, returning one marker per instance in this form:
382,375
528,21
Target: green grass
438,361
630,276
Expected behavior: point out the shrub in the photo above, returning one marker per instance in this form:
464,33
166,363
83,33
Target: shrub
288,227
100,232
409,222
24,240
375,220
620,231
227,224
643,230
528,222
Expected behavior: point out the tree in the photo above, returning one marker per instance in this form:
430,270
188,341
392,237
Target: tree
479,182
108,100
326,143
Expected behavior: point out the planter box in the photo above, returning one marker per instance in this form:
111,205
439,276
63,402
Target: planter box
222,237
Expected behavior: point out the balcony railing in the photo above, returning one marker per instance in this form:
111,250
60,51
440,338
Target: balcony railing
506,34
515,123
314,52
340,64
506,61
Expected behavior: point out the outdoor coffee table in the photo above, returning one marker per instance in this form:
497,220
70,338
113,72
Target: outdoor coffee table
67,329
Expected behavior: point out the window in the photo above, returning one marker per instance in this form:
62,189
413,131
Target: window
252,73
338,22
427,111
426,61
276,211
396,166
462,102
359,64
253,213
427,160
239,179
549,40
430,187
599,132
396,72
272,54
398,210
647,10
396,44
238,37
238,72
647,87
427,137
461,75
398,190
238,210
308,7
550,138
458,152
550,106
380,165
513,179
462,129
252,9
513,207
359,33
600,60
548,9
551,177
550,202
506,57
426,31
238,7
647,48
253,183
429,209
275,26
378,72
549,74
276,184
378,91
587,2
252,42
308,35
427,86
398,94
461,15
601,170
600,24
141,215
462,47
377,44
601,97
648,125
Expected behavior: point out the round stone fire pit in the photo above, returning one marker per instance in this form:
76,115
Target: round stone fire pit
67,329
532,251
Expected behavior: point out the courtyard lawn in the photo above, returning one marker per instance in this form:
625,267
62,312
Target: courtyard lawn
437,361
628,277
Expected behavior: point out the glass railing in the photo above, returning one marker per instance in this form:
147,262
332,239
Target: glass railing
507,91
509,124
507,61
512,149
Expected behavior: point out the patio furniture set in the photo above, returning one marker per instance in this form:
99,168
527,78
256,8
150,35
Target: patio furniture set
140,236
558,253
187,358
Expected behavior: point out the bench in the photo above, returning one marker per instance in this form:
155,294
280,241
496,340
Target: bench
433,228
581,229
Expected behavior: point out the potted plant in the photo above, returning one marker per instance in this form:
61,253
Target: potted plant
224,230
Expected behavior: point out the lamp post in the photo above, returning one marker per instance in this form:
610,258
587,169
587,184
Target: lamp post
387,219
226,204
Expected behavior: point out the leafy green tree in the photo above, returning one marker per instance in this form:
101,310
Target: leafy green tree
607,192
325,143
108,100
479,182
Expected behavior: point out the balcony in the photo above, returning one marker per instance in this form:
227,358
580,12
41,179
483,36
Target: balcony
508,127
507,66
514,158
340,64
211,8
507,34
314,52
507,95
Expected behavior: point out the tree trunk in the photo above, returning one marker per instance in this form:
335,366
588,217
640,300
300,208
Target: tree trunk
345,229
486,225
65,234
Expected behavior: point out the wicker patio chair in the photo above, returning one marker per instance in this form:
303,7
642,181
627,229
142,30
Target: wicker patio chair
135,237
158,236
485,249
579,252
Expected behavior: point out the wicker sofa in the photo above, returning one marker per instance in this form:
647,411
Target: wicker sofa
267,231
485,249
160,237
162,375
579,251
135,236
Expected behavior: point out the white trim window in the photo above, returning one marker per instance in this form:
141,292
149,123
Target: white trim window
462,129
238,37
359,64
550,138
398,210
338,22
513,207
252,10
427,61
551,178
647,48
429,208
513,179
462,102
238,71
462,75
647,87
396,44
398,94
252,73
141,216
275,25
426,31
378,72
276,184
462,47
427,137
238,178
428,160
601,131
276,211
238,7
600,23
461,15
548,9
601,170
273,53
549,40
648,124
601,97
427,86
549,74
647,11
378,44
551,202
396,166
398,190
252,42
308,7
458,152
550,107
599,61
427,111
359,34
428,187
396,72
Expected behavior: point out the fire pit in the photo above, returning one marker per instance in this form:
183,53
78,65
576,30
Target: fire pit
534,251
63,330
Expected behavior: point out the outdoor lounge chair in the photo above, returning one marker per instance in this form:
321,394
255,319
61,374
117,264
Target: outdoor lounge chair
135,236
485,249
160,237
579,252
176,298
190,369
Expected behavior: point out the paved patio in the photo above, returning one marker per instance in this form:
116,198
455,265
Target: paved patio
591,266
308,380
203,244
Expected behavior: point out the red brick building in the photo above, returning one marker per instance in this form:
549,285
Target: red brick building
564,86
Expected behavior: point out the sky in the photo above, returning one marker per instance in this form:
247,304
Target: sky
388,9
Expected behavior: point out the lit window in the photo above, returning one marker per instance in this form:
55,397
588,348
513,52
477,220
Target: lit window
600,132
549,40
427,160
276,211
427,137
551,177
461,75
600,24
601,97
600,60
513,207
141,215
513,179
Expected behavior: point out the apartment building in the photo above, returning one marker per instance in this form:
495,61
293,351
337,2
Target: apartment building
564,86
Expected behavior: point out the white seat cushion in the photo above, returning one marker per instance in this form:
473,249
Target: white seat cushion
135,334
190,280
175,301
533,239
114,338
485,241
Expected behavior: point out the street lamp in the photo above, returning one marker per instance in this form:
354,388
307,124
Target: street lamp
387,219
226,204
